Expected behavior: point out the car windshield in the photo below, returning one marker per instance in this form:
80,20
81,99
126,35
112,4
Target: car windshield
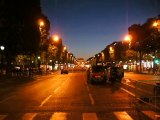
97,69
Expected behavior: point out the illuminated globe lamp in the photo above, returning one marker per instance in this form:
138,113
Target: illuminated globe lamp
128,38
56,38
2,48
157,24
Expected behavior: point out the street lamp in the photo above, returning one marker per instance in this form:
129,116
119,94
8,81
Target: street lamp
56,38
40,23
2,48
157,24
128,38
64,48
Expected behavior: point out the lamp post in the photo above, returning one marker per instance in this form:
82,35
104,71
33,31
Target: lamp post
43,42
128,38
54,43
156,24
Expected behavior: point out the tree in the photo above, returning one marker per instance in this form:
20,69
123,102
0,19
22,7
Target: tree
138,35
19,32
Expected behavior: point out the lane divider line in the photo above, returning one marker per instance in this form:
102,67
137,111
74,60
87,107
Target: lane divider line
7,99
87,88
45,100
56,89
60,86
91,99
128,92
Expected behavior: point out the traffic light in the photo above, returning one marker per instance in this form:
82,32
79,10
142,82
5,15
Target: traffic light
157,60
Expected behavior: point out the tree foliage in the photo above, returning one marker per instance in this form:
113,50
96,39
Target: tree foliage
19,32
145,36
19,29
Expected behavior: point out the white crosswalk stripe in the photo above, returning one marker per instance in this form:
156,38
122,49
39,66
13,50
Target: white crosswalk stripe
59,116
152,115
119,115
122,115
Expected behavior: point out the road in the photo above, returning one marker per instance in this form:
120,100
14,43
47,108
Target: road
69,97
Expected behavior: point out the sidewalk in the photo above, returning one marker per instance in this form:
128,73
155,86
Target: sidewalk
144,72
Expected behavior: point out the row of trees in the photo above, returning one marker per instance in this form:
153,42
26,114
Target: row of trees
144,45
19,32
24,34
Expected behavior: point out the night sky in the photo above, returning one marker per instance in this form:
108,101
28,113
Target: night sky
88,26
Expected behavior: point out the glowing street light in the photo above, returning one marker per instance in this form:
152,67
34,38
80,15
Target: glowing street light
56,38
2,48
40,22
65,48
157,24
128,38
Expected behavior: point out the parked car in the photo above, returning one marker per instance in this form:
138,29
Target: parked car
96,73
114,74
64,71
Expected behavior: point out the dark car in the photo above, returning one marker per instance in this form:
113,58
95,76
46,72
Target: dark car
115,73
64,71
96,74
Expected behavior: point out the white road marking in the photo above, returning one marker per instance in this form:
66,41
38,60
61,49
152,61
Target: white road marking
29,116
127,80
7,99
151,114
56,89
90,116
126,83
122,116
59,116
91,99
2,117
128,92
44,101
60,86
88,88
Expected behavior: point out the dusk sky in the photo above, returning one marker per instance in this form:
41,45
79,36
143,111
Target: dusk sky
88,26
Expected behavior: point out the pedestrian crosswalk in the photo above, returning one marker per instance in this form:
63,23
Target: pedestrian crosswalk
117,115
122,116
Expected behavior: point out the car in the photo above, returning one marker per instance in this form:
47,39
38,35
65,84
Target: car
96,73
64,71
114,74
